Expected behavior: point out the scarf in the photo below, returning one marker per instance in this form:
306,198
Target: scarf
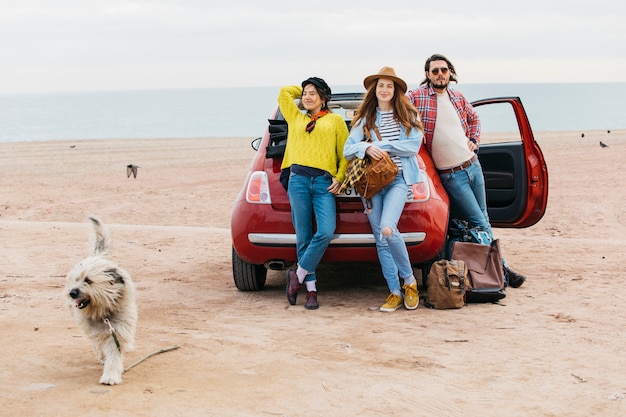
311,125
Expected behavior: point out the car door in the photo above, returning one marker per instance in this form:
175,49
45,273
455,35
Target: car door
515,171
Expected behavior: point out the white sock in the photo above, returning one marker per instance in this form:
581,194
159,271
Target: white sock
310,285
301,273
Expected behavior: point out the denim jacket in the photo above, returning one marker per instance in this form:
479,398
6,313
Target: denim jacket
406,148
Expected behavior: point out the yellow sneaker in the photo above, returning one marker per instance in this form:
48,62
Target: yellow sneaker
411,296
393,303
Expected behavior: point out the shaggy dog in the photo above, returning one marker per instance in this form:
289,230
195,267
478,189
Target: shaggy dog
102,298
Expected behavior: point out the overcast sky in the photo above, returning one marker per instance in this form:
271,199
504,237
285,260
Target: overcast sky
85,45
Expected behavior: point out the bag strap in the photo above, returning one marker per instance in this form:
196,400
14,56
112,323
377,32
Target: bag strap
368,137
447,277
459,266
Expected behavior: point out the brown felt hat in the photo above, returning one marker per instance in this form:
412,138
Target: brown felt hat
388,73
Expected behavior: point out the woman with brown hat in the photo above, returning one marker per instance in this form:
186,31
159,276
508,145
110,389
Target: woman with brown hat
394,126
316,167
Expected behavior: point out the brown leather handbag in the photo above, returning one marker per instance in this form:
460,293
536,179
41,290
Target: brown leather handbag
377,175
486,276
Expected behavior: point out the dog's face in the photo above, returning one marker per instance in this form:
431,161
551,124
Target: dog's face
97,287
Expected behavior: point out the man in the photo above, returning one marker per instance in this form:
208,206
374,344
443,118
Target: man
452,137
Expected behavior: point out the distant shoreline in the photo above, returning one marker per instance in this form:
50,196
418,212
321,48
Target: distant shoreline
587,134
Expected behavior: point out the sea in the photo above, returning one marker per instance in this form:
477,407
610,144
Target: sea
243,111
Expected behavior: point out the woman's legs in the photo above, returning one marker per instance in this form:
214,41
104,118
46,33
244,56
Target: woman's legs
387,207
310,201
301,201
325,216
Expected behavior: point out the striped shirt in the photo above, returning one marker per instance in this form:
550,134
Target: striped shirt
390,130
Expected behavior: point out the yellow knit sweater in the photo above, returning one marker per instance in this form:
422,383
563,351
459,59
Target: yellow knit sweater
323,147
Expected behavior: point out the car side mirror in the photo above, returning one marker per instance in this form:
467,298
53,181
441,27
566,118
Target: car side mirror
256,143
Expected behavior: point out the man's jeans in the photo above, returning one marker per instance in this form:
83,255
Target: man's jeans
309,196
466,189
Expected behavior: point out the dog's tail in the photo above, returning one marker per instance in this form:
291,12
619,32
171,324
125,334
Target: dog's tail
103,242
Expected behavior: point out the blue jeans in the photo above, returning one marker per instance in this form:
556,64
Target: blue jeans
310,201
468,199
387,205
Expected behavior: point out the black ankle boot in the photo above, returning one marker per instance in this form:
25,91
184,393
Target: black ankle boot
513,279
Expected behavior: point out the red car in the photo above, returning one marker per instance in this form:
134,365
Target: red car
263,235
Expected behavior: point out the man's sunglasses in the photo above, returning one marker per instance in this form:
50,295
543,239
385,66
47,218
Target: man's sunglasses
435,71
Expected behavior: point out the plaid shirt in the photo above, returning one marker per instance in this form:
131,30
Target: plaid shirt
424,98
354,172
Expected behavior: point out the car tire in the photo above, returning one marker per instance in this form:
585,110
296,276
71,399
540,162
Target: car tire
248,277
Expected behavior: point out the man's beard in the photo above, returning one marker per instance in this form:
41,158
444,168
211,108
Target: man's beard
441,84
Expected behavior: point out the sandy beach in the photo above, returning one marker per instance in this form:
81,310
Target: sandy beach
553,347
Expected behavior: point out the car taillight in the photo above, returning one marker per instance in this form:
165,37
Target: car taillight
420,191
258,191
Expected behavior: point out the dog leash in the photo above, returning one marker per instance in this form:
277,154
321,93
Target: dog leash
112,331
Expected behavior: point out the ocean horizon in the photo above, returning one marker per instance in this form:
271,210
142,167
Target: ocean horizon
243,111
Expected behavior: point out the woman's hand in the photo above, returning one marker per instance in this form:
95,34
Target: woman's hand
334,187
374,152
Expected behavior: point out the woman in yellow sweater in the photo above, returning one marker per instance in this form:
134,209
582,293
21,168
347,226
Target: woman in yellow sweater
314,156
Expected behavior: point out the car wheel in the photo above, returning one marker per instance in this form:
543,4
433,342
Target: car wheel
248,277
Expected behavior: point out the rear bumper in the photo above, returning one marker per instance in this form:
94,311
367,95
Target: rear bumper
261,234
281,240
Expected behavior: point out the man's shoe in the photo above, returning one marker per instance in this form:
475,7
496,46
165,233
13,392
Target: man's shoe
311,300
293,286
411,296
392,303
513,279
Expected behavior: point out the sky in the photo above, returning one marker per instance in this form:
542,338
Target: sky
94,45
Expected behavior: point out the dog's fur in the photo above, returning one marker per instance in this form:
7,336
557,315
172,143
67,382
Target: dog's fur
98,289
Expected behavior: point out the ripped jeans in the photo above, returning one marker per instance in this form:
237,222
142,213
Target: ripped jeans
387,205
